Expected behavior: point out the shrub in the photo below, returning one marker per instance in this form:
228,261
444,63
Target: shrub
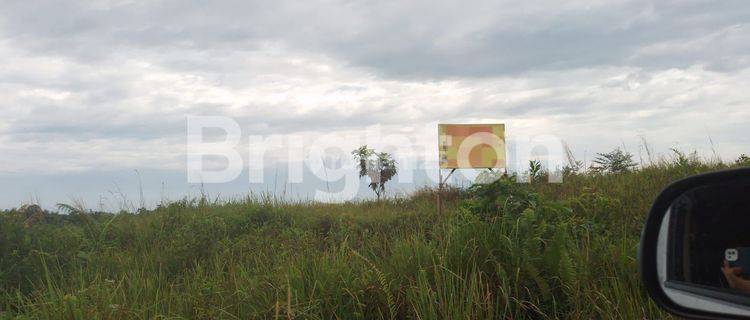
615,161
380,167
743,160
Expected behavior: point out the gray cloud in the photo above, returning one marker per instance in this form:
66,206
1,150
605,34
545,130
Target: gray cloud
107,85
401,39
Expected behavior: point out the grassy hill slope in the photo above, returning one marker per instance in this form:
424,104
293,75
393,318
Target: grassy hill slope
504,251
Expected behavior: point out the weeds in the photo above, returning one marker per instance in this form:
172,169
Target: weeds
502,250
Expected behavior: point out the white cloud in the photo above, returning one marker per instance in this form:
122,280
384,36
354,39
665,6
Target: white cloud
107,85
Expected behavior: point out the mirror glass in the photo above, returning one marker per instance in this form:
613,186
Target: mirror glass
705,249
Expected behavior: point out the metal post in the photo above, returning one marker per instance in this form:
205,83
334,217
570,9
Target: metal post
440,192
440,188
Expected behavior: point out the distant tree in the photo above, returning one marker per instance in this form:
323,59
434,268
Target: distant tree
486,177
615,161
380,167
743,160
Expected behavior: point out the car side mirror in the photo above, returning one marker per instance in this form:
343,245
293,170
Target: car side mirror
694,255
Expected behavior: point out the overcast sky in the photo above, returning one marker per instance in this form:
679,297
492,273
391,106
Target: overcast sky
91,91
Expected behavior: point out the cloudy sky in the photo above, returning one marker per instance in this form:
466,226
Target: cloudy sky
92,91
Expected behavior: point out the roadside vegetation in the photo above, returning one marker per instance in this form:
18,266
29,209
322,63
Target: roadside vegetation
502,250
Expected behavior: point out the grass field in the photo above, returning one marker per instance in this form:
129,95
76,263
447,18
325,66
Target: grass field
502,251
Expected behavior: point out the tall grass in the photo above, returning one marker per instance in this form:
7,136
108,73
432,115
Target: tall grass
502,251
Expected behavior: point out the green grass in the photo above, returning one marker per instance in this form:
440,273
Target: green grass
502,251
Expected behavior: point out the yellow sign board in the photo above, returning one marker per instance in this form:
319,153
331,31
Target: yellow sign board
471,146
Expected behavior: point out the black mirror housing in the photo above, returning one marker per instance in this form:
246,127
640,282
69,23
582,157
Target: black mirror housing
674,240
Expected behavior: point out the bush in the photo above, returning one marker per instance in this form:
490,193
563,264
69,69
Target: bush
743,160
616,161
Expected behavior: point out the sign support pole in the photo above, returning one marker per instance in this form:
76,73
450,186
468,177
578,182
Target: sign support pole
440,189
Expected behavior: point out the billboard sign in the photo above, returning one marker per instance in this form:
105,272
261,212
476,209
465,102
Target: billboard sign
471,146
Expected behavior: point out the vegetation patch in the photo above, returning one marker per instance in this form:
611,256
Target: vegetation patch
502,250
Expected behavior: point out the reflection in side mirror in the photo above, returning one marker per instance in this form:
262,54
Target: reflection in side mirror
708,239
695,248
